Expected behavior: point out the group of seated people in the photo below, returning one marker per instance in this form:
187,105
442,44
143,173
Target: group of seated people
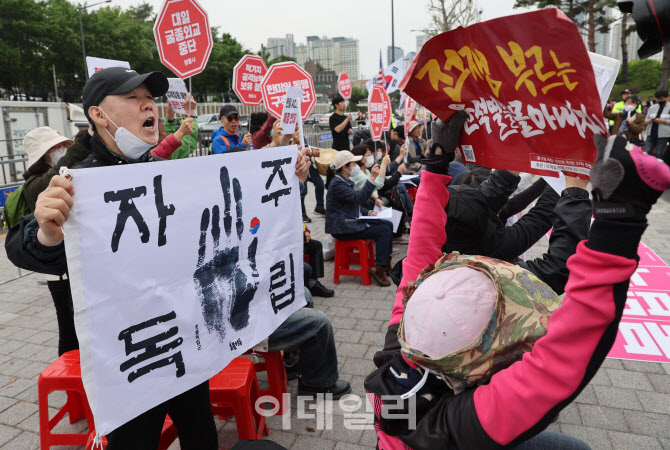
480,348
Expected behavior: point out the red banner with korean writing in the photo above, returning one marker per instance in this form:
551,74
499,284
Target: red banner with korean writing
527,85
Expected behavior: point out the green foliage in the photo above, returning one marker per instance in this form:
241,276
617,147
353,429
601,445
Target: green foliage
280,59
358,94
36,35
642,76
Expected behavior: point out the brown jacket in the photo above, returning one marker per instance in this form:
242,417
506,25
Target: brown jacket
634,128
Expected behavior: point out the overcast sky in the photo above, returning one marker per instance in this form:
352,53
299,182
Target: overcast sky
252,22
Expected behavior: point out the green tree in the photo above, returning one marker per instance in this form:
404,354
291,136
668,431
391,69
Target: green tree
280,59
590,16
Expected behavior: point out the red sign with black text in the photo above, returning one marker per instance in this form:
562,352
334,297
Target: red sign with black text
344,85
183,38
247,78
379,111
528,87
276,82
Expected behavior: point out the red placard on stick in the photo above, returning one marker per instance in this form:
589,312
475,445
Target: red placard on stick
247,78
183,37
379,108
276,82
344,85
527,85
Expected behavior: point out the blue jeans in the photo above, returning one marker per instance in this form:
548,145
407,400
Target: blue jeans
404,195
382,233
656,146
552,440
308,331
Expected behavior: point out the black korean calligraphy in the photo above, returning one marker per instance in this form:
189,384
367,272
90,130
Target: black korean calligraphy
148,348
278,279
276,170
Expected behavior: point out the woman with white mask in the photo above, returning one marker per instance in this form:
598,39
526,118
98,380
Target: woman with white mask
344,211
629,123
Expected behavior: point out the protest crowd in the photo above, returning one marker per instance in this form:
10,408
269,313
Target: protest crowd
484,347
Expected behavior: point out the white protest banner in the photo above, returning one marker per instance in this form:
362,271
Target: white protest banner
173,275
289,117
176,95
97,64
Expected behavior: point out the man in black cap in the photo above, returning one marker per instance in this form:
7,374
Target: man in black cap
226,137
119,104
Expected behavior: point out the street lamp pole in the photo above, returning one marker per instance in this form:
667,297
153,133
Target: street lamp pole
392,36
81,29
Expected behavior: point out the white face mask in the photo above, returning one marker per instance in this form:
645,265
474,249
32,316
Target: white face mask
129,144
629,108
378,156
369,161
355,171
55,156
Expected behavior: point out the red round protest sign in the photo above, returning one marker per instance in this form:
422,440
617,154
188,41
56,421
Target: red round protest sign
277,81
182,36
247,78
379,110
344,85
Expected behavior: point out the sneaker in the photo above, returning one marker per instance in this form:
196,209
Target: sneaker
338,390
395,250
319,290
320,211
306,219
400,240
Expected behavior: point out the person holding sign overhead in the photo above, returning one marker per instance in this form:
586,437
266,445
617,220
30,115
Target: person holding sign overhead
226,137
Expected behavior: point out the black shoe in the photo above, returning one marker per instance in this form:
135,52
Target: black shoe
306,219
338,390
319,290
320,211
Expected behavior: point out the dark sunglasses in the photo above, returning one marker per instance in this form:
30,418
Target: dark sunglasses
233,118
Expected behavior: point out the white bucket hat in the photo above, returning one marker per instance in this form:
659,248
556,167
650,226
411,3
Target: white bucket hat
344,157
38,142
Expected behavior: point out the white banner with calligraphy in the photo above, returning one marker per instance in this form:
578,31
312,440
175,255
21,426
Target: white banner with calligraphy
176,268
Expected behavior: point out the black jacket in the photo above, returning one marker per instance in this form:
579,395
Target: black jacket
22,247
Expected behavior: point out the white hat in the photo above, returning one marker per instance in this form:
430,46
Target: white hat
412,125
344,157
38,141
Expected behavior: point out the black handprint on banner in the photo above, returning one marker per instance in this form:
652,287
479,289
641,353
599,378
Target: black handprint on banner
224,288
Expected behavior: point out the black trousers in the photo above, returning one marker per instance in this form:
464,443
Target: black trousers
191,413
314,249
62,297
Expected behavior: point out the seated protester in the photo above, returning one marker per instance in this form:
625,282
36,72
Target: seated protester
497,388
189,140
343,209
314,249
385,185
629,123
399,146
226,137
456,168
256,122
173,142
263,136
416,146
48,151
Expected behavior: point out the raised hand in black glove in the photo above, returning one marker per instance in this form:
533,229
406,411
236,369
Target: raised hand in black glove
626,181
445,141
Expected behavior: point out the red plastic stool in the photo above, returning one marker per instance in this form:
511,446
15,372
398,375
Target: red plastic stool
236,388
361,252
273,365
168,436
412,193
64,374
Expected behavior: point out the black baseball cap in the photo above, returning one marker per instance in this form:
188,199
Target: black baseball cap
626,91
119,80
227,110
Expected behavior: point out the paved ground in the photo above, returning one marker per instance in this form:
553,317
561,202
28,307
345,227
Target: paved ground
626,406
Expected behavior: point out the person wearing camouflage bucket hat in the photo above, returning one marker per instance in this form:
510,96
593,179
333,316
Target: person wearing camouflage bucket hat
457,319
472,316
